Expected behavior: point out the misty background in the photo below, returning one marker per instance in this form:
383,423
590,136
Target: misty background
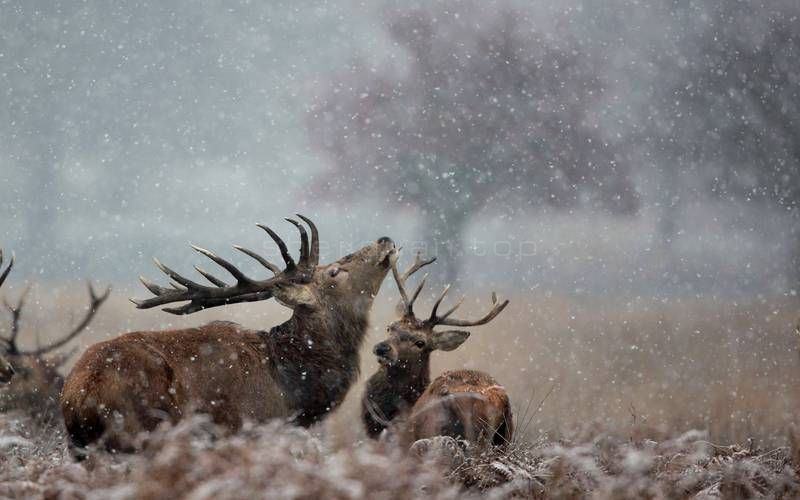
623,147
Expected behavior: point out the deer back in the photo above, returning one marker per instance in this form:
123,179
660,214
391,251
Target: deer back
464,404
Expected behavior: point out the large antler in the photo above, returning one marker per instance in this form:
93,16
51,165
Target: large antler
418,264
445,319
245,289
95,302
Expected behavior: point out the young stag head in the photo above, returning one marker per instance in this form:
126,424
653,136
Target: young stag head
412,340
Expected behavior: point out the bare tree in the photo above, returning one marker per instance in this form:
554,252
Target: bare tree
485,109
728,102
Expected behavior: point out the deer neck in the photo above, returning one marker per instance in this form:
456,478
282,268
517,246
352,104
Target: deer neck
389,394
316,359
409,387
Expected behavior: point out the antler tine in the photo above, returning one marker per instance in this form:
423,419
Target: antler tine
303,242
210,277
154,289
233,270
287,258
261,260
4,274
452,309
16,314
401,285
95,302
313,256
436,304
496,309
185,282
418,264
416,294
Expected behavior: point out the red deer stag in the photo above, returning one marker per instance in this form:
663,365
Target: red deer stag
299,370
37,383
463,404
6,370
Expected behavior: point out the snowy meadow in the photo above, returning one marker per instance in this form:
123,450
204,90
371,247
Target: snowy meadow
626,173
684,400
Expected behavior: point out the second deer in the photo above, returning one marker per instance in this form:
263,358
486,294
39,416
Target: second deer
36,383
464,404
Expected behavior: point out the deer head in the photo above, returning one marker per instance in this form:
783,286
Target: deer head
412,340
36,370
350,282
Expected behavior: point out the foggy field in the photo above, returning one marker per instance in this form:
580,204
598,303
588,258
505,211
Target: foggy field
726,367
619,383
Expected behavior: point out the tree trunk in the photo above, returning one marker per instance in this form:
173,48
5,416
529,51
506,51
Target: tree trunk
670,207
793,273
443,234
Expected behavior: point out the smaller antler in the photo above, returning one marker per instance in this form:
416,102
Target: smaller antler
418,264
445,320
96,302
4,274
16,312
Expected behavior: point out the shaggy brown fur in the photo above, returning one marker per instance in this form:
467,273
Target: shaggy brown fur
299,370
465,404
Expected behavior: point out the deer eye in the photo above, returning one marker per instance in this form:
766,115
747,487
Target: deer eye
420,343
333,272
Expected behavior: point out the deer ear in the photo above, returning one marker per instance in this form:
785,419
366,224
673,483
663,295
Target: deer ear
449,340
294,295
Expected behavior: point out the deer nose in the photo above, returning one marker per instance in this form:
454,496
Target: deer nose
381,350
385,240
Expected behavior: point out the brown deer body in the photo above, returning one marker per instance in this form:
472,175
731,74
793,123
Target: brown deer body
299,370
464,404
37,382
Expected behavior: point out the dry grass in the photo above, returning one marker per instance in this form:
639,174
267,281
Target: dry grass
197,460
625,383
